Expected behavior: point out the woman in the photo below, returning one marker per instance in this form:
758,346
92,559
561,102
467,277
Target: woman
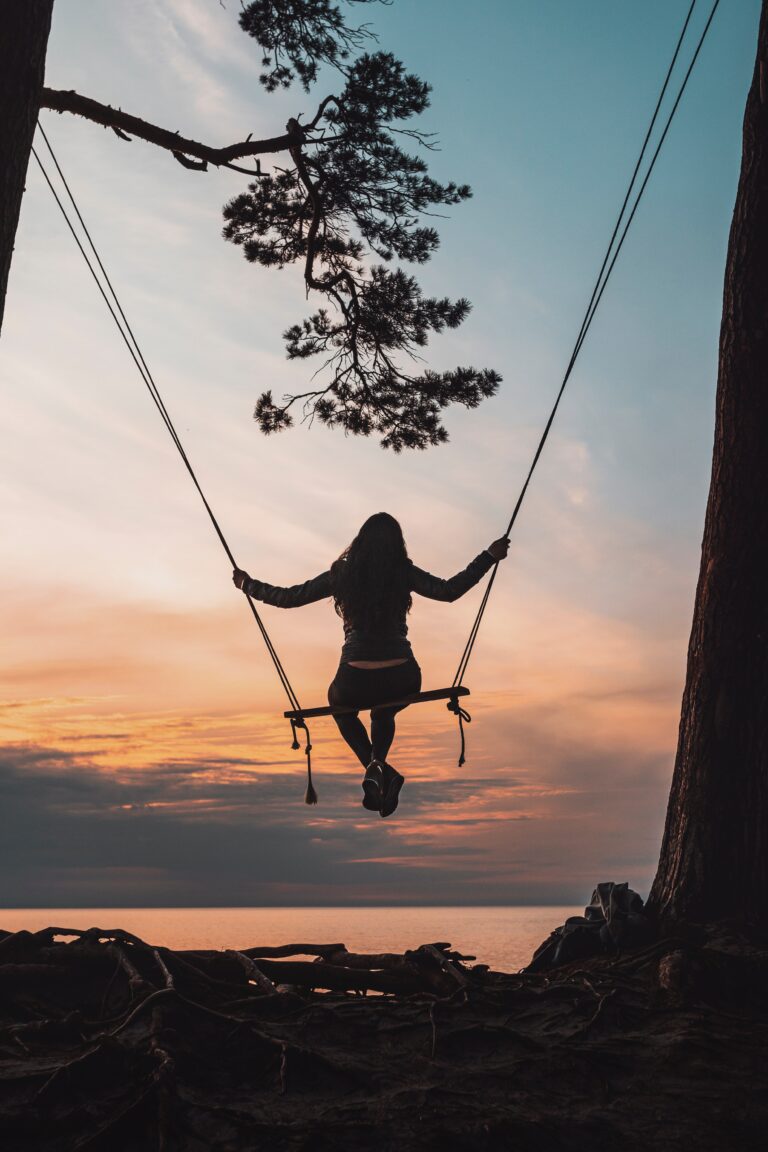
371,585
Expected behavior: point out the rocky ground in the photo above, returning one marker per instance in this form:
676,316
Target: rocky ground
107,1042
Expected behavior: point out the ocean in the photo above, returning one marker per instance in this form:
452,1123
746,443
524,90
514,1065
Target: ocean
504,938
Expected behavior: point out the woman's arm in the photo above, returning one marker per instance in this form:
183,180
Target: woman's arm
425,584
294,597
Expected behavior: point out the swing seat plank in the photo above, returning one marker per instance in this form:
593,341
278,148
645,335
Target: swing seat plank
419,698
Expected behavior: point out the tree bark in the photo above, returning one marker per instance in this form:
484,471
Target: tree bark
24,29
714,856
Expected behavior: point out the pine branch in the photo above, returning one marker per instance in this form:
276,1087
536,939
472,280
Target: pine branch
182,148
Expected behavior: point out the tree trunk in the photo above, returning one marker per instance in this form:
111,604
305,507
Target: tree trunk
714,856
24,28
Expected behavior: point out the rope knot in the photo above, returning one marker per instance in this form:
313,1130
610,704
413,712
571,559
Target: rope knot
463,717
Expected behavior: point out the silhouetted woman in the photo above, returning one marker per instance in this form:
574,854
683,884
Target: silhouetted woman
371,585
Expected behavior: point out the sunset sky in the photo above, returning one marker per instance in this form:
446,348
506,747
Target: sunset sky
144,760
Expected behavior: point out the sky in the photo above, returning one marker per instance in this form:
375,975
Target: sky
143,758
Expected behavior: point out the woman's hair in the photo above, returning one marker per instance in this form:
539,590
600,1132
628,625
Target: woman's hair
370,578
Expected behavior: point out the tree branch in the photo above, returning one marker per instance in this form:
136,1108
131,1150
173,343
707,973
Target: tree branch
122,122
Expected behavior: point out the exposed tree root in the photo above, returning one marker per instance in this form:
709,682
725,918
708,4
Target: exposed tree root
108,1042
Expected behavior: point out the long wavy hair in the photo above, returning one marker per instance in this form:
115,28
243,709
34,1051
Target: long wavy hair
370,578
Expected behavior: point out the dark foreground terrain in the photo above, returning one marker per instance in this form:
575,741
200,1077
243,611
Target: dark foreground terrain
107,1042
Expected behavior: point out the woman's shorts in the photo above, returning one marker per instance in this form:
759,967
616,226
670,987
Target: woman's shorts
361,687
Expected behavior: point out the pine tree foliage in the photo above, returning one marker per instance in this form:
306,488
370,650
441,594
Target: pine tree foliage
299,35
351,205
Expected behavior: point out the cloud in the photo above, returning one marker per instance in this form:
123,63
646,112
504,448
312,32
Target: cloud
224,828
204,833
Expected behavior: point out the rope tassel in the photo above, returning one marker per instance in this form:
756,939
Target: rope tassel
464,718
310,796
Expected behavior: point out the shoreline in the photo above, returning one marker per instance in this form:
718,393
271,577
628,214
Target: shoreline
107,1040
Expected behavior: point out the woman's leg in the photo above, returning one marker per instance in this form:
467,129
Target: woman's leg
406,681
353,731
383,731
350,725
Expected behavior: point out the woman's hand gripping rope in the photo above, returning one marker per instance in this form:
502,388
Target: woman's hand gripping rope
240,578
499,549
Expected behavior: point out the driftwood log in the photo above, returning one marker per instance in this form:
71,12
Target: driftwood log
109,1042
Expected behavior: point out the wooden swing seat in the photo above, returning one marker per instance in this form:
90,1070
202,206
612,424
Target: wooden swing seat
418,698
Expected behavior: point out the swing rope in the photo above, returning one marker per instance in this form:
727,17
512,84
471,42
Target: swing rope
129,339
603,276
620,231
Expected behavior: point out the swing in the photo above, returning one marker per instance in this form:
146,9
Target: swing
299,716
296,715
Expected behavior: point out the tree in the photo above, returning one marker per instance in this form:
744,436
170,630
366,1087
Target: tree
714,856
24,28
349,192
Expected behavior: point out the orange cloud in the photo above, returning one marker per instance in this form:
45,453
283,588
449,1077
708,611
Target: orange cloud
560,763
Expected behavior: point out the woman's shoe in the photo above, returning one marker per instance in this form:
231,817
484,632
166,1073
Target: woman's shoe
372,786
392,783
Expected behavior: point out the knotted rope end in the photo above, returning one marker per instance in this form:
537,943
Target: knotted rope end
310,796
463,717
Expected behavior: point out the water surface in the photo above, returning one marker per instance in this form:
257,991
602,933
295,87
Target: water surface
504,938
